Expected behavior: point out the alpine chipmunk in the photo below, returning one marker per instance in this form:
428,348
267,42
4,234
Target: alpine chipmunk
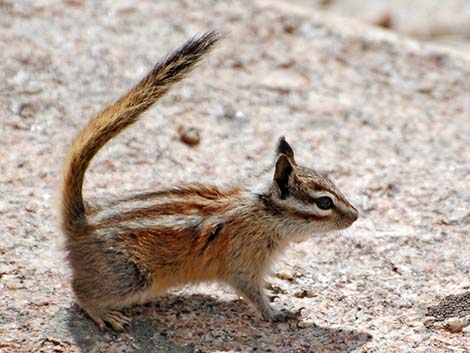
131,250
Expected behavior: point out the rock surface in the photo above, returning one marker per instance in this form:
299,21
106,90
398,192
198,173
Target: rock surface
388,116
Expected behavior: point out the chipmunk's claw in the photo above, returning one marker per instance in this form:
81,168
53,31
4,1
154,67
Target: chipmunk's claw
114,318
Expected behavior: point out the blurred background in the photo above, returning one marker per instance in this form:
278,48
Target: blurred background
444,22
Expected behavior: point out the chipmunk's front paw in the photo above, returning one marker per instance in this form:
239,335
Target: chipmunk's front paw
281,315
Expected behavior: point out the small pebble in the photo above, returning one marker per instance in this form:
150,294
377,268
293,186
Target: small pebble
284,276
385,21
13,282
305,324
455,325
189,135
235,115
306,294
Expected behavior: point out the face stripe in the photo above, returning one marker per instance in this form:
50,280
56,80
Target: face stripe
307,216
306,197
277,209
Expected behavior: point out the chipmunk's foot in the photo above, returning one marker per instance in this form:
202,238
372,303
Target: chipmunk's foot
275,315
283,315
114,318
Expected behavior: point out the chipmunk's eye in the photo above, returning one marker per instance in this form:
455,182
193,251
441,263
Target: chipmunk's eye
324,202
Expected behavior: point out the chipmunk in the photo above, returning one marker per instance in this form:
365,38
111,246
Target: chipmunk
129,250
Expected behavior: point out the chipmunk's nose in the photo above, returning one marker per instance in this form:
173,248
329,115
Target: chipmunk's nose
354,214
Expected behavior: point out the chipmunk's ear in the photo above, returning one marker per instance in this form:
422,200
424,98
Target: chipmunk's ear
282,172
284,148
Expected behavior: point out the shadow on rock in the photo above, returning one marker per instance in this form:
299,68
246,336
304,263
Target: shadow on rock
179,323
72,326
214,325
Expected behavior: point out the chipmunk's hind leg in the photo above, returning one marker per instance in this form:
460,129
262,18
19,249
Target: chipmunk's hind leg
106,280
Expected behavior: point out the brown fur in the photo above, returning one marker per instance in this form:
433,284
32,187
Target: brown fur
129,249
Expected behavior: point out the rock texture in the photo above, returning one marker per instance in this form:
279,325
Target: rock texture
388,116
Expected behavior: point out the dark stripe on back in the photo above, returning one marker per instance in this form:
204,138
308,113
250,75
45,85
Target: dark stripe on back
164,209
194,190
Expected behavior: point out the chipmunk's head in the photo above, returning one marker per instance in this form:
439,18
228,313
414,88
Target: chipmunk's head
306,197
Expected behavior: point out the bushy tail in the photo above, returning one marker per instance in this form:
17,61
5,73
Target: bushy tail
115,118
